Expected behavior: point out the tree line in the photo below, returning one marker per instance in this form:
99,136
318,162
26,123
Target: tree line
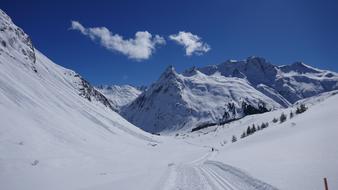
281,119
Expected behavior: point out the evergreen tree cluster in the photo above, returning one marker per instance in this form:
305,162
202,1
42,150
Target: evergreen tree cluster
301,109
251,130
282,118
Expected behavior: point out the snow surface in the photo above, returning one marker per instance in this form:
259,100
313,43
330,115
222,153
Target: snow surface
316,99
293,155
120,96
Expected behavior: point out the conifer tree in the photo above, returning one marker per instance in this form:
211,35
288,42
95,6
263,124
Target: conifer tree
248,131
302,108
282,118
234,138
291,114
243,135
275,120
253,128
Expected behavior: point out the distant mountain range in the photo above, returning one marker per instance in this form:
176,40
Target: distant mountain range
289,82
220,93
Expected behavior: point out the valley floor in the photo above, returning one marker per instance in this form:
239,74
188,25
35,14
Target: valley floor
168,165
204,174
182,164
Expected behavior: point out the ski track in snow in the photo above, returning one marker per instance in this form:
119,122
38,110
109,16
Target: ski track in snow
204,174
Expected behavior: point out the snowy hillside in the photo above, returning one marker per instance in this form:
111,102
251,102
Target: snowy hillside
182,102
293,155
120,96
56,130
290,82
313,100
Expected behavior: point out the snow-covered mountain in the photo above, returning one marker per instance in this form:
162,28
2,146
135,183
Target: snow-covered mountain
285,84
53,124
214,94
120,95
182,102
16,46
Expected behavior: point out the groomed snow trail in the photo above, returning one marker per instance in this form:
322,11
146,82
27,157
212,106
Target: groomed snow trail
204,174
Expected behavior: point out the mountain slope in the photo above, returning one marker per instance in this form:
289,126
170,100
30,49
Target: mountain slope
182,102
296,154
290,82
55,126
120,96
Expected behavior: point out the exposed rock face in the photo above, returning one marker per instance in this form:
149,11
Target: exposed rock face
14,41
89,92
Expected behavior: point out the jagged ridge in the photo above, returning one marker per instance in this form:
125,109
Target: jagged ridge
289,82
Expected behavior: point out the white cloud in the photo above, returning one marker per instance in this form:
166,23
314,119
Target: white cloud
139,48
192,43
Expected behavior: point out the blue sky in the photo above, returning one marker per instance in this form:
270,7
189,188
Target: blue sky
281,31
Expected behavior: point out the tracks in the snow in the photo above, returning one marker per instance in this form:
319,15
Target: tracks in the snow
203,174
218,180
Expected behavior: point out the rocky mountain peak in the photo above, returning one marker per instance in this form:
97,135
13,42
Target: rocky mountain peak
299,67
170,70
15,42
169,75
190,72
256,60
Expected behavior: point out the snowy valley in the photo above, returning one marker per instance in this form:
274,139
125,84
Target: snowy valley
58,131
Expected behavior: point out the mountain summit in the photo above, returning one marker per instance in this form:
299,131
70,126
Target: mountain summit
221,93
184,101
289,82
